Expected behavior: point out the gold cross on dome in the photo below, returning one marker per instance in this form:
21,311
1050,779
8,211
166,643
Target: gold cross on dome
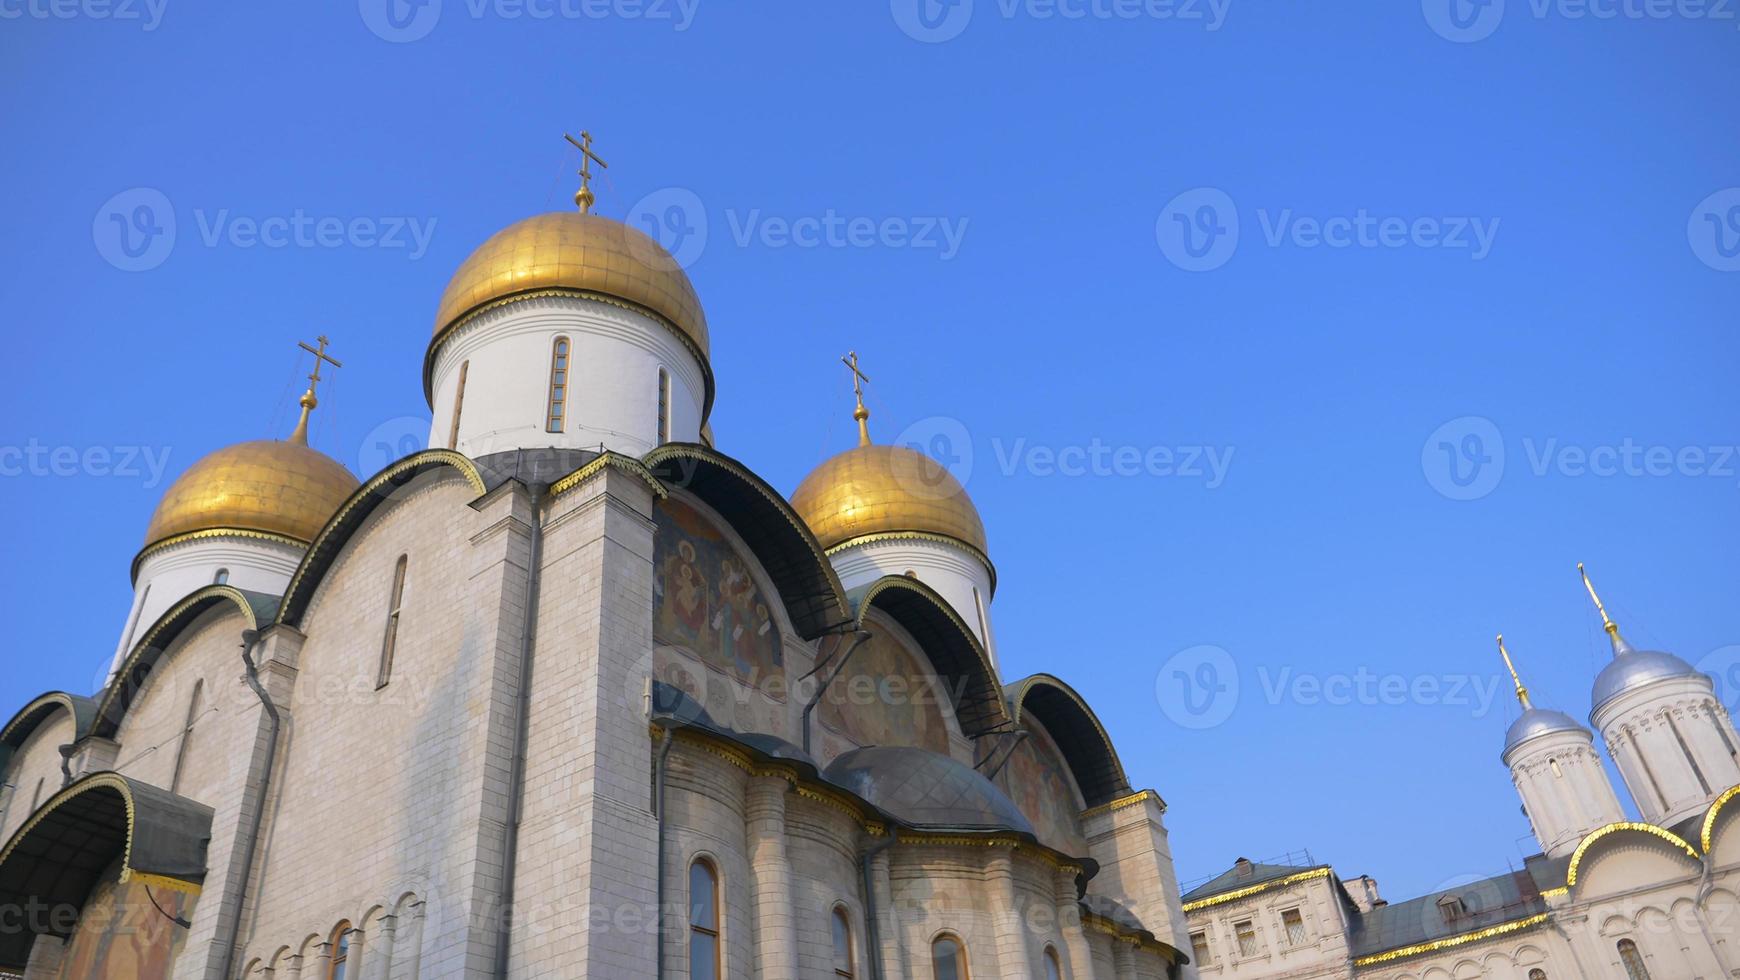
861,414
584,197
308,400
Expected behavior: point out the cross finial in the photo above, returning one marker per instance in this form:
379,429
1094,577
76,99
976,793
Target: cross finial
1619,645
308,401
584,197
861,414
1522,693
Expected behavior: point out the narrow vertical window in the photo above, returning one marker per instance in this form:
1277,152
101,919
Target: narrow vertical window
703,921
1200,948
1246,931
458,406
1557,772
193,708
133,623
1633,960
984,621
340,952
1294,925
664,432
948,959
222,577
36,797
1053,966
558,412
390,642
842,944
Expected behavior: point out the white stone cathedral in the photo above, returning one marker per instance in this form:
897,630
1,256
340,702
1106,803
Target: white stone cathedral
1606,899
572,695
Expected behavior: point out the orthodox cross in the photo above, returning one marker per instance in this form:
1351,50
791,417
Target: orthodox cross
308,400
584,197
862,414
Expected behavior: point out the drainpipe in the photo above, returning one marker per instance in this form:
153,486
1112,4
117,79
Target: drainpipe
249,639
517,775
659,868
872,931
822,688
1705,886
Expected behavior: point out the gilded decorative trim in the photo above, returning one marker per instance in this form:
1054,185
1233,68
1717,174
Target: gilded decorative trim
1614,828
1559,892
1453,941
216,532
614,460
1233,896
1707,838
1107,927
1121,803
1018,704
58,697
887,582
148,641
102,780
569,291
921,536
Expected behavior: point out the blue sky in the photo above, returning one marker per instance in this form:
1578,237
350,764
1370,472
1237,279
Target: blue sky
1533,216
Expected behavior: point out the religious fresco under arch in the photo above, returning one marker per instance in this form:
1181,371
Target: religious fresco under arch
1037,779
886,696
124,930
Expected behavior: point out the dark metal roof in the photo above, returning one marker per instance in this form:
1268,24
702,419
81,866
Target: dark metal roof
1078,733
671,705
1232,879
1484,903
32,715
532,467
954,652
60,854
782,542
925,790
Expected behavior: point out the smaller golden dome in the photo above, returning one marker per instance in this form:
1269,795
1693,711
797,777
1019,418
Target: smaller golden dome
570,250
266,486
872,490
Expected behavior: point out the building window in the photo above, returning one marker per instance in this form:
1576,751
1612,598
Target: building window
340,952
558,412
458,406
1633,960
1557,772
1200,949
1294,925
842,944
948,958
664,431
390,642
1537,975
193,704
222,577
1452,909
1053,966
36,797
1246,930
703,921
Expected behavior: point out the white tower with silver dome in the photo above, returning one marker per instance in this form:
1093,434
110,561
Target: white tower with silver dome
1557,772
1673,740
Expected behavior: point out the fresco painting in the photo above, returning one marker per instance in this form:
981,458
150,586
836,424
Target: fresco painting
122,933
707,602
1037,779
885,696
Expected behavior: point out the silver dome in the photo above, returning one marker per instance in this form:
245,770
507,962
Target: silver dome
1632,669
1540,721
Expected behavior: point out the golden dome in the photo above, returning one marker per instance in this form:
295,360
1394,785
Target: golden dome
276,488
567,250
876,490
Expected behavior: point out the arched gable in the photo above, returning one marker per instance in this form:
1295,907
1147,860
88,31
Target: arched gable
1079,735
1614,841
33,715
355,512
954,651
124,688
1038,779
782,542
1722,826
885,695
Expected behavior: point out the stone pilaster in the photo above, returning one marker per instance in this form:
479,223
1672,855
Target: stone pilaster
1124,957
887,922
1128,839
770,868
1013,948
1075,941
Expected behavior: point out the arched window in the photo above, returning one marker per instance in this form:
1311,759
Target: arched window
664,431
1053,966
222,577
842,943
458,406
340,952
948,958
390,642
558,412
1557,772
1633,960
703,921
1537,975
193,709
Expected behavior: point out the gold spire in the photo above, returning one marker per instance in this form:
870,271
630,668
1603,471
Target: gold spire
308,401
1522,693
584,197
1619,644
860,414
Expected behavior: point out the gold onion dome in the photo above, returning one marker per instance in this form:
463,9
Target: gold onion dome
269,487
574,252
872,490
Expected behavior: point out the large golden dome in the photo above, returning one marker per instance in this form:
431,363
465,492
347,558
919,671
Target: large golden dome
567,250
875,490
276,488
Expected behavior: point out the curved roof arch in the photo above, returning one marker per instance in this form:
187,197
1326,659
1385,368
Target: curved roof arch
1646,830
1092,758
33,715
374,492
1707,838
779,538
954,652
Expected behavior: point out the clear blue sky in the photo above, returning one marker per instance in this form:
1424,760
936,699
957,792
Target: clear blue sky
1595,314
